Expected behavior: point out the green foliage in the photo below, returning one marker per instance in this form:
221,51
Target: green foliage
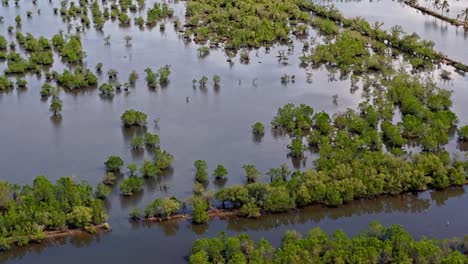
251,172
164,74
139,21
18,20
133,118
132,77
463,133
71,50
99,67
56,106
4,194
131,185
158,12
392,134
5,83
249,210
199,258
151,140
376,245
258,129
220,172
106,89
18,65
151,78
102,191
3,43
201,175
137,142
216,81
325,26
163,159
135,214
163,208
79,79
80,216
110,178
203,51
243,24
149,169
45,206
132,168
114,163
199,214
47,90
21,83
292,118
296,148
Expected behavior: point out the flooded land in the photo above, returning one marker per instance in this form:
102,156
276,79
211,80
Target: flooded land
203,125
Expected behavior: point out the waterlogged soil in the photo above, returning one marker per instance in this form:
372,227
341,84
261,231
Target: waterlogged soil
212,125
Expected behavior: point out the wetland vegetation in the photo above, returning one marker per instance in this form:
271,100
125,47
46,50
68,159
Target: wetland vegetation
394,139
31,212
375,245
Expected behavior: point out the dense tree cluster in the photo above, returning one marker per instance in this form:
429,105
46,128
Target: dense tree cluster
163,208
357,31
27,212
131,185
160,77
19,65
79,79
71,50
258,129
293,118
243,24
375,245
133,118
39,49
158,12
5,83
352,162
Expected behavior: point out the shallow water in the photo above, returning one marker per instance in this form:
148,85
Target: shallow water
213,125
448,39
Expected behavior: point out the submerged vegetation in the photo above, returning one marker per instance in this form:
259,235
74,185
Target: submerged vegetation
375,245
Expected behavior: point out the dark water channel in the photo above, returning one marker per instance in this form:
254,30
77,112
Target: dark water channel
213,125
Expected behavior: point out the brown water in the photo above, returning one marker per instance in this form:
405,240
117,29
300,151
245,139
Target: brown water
213,125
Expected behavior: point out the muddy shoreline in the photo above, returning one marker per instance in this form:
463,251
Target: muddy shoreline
59,234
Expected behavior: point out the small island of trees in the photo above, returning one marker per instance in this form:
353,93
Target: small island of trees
28,213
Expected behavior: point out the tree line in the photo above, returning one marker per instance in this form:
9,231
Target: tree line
377,244
28,212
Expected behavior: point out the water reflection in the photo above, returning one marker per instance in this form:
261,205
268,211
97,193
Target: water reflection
56,120
441,197
128,202
78,241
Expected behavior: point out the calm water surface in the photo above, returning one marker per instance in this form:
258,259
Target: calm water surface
213,125
448,39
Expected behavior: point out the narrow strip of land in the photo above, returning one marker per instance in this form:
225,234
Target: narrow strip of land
424,10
